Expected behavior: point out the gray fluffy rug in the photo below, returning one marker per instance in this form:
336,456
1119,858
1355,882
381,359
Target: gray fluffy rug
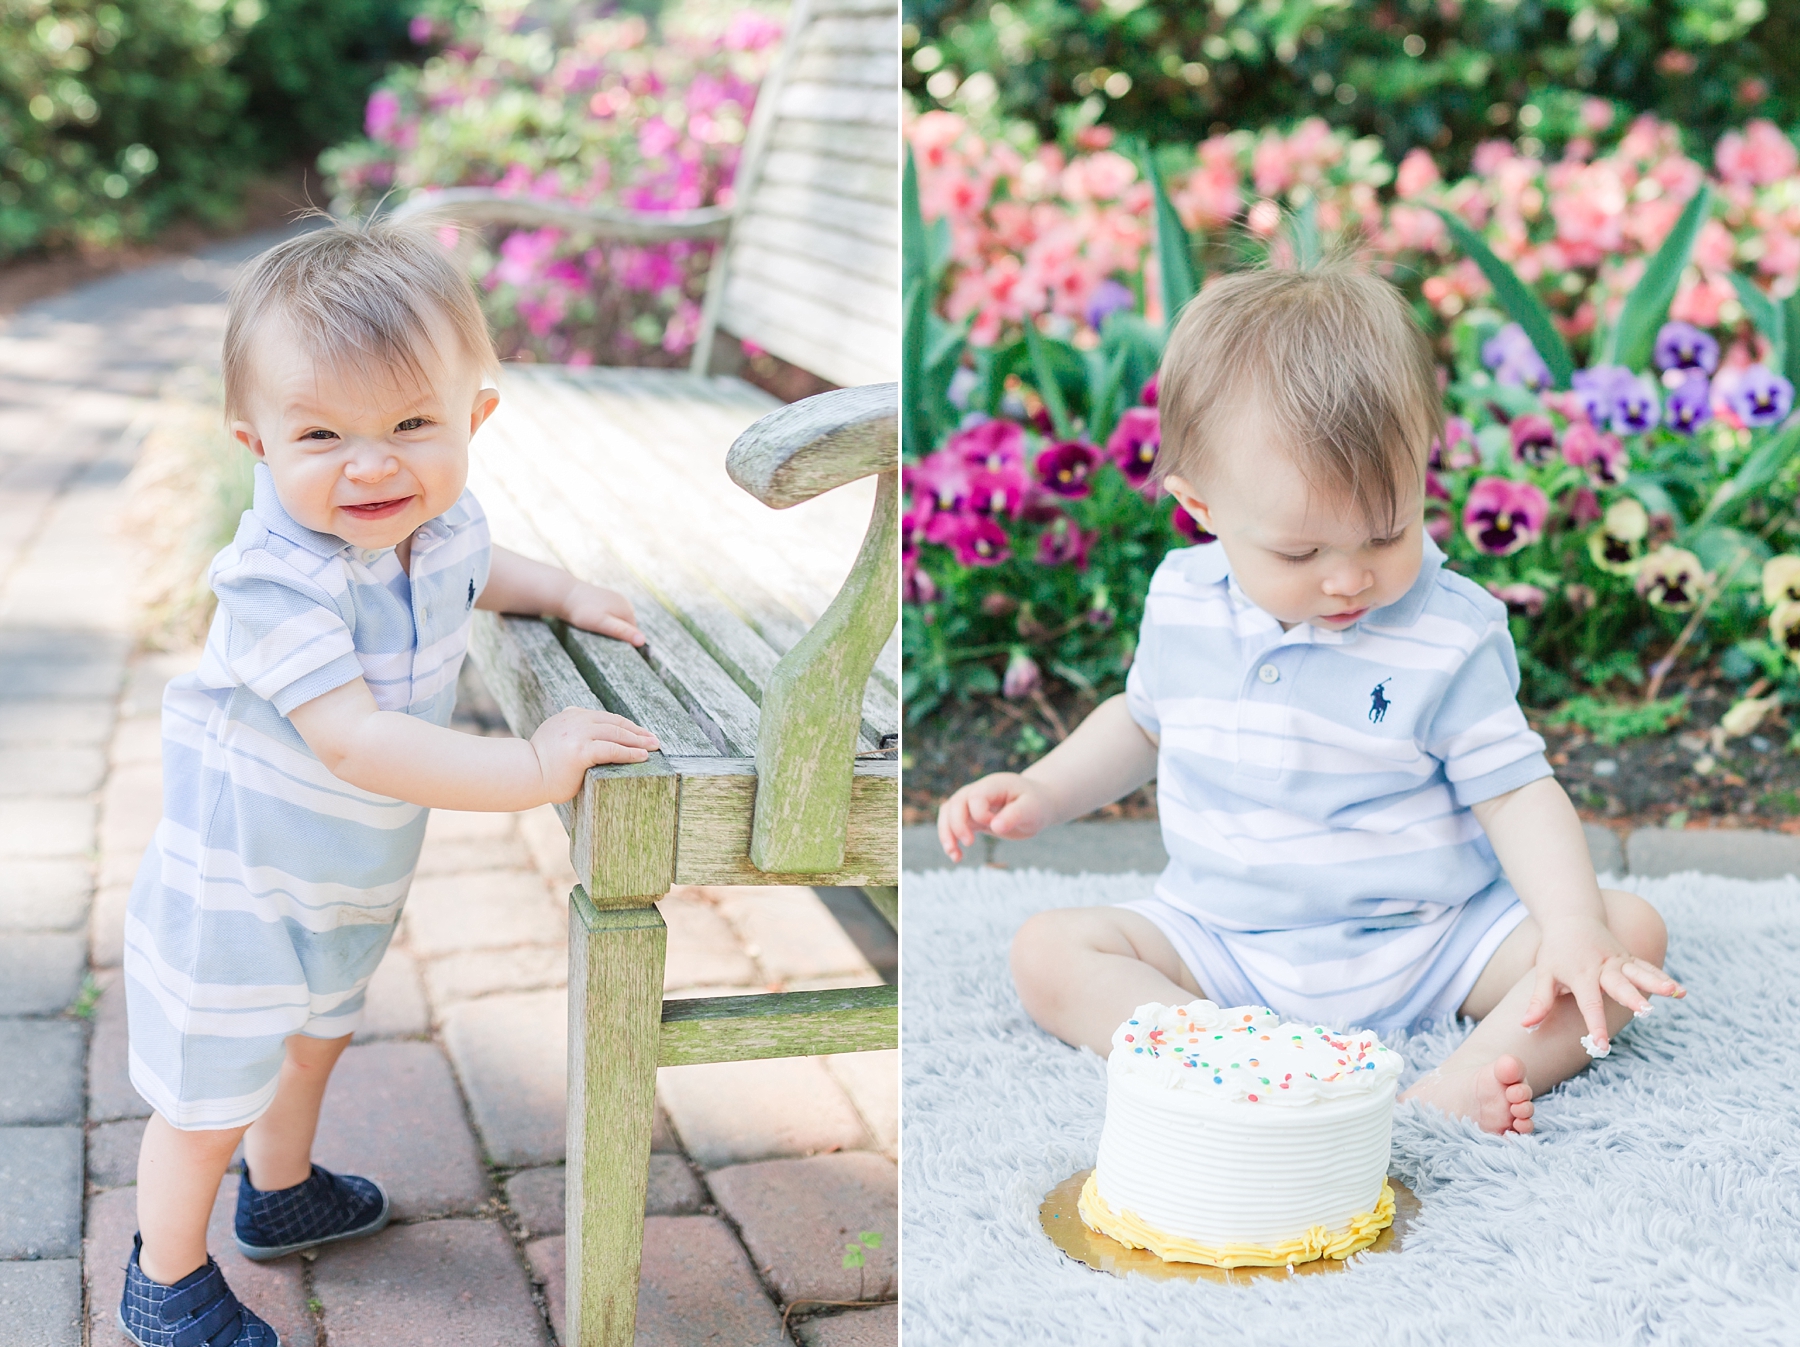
1658,1201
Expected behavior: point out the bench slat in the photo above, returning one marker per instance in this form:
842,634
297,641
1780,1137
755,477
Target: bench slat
623,822
822,241
680,661
624,682
851,32
740,623
844,177
778,1024
806,331
877,223
820,63
718,800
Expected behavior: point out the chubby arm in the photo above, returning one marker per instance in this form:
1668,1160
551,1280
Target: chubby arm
518,584
1537,835
394,754
1108,755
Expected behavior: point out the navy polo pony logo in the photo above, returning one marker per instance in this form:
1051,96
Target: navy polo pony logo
1378,702
471,603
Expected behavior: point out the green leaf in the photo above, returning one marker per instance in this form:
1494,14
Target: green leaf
914,258
1762,467
1769,316
872,1238
915,421
1174,250
853,1255
1518,301
1044,377
1303,233
1647,305
1105,395
1791,323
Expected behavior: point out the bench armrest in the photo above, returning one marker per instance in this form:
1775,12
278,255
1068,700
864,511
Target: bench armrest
480,205
811,446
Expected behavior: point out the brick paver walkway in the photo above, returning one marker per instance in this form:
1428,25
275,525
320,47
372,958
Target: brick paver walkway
453,1093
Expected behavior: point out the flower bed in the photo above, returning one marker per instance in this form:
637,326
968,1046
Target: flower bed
606,113
1613,328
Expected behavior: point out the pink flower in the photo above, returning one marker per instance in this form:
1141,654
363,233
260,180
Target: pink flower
421,29
382,113
1601,454
749,30
1022,675
1762,154
1502,516
994,445
1519,598
1187,526
1098,177
1064,543
1596,114
1134,442
979,541
1533,439
1417,175
1067,468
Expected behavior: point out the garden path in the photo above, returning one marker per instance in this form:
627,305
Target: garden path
453,1093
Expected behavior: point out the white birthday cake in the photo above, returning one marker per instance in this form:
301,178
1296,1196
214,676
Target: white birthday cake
1235,1139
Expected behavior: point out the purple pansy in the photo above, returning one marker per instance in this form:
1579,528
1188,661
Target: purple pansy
1068,468
1598,389
1637,406
1519,598
1108,298
1761,397
1502,516
1533,439
1064,543
1684,346
1690,404
1513,359
1602,455
1456,448
993,444
978,541
944,478
1134,442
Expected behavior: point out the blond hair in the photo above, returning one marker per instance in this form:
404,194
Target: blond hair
1331,360
355,295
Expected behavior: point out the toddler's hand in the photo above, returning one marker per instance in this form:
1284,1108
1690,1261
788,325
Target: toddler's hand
605,611
571,741
1586,959
1004,804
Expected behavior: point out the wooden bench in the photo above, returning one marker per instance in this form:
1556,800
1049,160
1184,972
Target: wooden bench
776,702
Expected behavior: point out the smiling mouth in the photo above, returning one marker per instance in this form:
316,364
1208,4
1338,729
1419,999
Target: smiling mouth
377,509
1350,616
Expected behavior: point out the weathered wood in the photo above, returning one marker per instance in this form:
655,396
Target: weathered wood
482,206
865,219
857,348
818,443
779,1024
615,1015
864,259
886,900
625,684
718,805
622,821
812,709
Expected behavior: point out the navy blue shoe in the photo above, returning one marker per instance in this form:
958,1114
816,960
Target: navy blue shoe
197,1311
323,1209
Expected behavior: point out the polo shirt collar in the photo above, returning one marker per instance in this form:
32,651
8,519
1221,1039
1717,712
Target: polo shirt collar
1209,565
267,507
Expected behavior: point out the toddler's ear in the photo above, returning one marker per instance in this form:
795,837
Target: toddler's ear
245,434
485,401
1189,500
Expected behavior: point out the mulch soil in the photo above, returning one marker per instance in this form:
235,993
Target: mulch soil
1690,776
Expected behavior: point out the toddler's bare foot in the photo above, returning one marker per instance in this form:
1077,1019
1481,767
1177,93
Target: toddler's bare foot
1496,1095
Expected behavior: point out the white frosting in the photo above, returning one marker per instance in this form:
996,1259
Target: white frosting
1185,1150
1593,1049
1249,1054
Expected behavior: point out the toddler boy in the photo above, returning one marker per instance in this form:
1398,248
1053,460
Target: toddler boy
1362,829
301,758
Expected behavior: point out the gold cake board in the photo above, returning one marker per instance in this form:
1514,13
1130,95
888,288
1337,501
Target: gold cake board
1068,1232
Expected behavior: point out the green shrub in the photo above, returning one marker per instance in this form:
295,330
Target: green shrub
1414,72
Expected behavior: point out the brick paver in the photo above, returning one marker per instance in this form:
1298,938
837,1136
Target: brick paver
730,1112
875,1327
798,1216
462,1048
449,1283
40,1079
40,1302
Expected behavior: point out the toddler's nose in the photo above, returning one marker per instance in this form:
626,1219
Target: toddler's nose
1348,582
371,467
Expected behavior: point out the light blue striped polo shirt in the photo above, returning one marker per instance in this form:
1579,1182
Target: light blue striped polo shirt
272,888
1314,788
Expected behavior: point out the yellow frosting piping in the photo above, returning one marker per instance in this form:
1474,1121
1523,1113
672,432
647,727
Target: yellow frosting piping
1318,1242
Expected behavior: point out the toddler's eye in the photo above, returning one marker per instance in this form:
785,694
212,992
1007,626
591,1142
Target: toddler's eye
320,435
412,423
1308,556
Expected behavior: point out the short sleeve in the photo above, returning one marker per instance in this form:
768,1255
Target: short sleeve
1478,731
1140,682
284,638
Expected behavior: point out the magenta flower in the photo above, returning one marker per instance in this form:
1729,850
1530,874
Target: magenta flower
1134,442
1502,515
998,493
1064,543
1533,439
1067,468
1684,346
1434,489
993,444
1455,449
1761,397
1583,506
979,541
1022,675
916,586
946,478
1602,455
1186,525
1519,598
382,112
1147,394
